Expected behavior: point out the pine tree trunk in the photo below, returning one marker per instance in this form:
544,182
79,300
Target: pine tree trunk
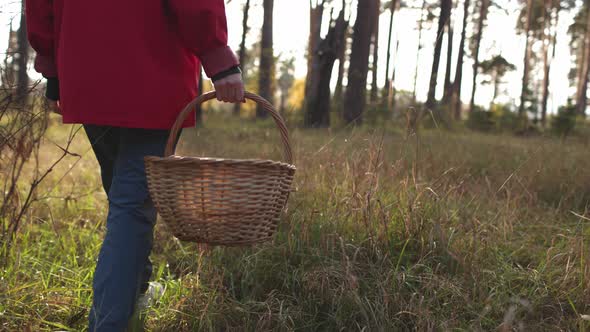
450,35
318,102
483,13
420,29
456,88
387,87
391,100
580,65
580,61
242,54
355,96
374,88
22,83
496,81
265,86
282,102
581,102
315,27
550,40
8,77
527,56
339,90
445,10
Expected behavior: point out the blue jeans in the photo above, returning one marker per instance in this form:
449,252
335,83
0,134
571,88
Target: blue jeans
123,269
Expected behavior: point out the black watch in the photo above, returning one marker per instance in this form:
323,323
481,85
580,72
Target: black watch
223,74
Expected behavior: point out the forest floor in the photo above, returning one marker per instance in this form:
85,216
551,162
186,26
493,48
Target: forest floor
386,232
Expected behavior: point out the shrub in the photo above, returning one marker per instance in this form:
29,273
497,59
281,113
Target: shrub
500,118
377,116
439,116
506,119
481,120
564,122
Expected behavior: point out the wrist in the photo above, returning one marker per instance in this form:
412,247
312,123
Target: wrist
228,72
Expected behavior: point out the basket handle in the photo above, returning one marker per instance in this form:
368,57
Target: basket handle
170,146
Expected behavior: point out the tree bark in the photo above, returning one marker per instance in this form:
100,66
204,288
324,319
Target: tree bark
22,83
580,65
318,102
338,91
265,86
496,80
391,99
282,102
445,10
355,96
316,13
242,53
483,13
374,67
420,29
581,102
387,87
550,39
527,56
456,87
580,61
450,35
8,77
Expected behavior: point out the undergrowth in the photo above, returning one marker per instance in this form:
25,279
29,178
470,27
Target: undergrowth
385,232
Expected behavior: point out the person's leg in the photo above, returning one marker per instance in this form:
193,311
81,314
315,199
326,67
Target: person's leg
105,144
121,270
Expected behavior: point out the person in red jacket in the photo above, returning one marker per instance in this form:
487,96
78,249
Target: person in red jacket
124,69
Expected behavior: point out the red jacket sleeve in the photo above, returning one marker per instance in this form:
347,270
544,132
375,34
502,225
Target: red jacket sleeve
41,34
202,26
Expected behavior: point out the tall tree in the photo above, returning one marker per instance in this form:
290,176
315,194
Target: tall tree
424,11
265,82
391,99
355,96
392,8
551,22
496,68
375,43
338,91
535,27
445,12
22,85
524,95
8,78
317,102
242,53
481,21
578,32
316,13
456,87
450,34
285,81
581,98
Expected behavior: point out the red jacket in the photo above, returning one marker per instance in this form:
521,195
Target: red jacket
129,63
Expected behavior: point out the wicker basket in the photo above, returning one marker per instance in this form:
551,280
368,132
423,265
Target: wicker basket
220,201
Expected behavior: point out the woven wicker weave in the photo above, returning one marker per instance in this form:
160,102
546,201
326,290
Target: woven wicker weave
220,201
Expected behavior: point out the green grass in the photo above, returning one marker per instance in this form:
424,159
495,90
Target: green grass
441,231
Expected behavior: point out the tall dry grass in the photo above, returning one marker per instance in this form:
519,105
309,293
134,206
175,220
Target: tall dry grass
386,232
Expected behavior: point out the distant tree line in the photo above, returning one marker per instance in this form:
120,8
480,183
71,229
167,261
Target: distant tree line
354,48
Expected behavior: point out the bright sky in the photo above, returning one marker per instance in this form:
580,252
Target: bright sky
291,26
